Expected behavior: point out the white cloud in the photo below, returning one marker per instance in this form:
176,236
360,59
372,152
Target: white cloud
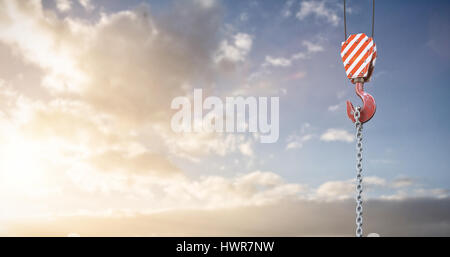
74,58
335,190
254,188
297,75
294,218
193,146
402,182
277,62
98,110
300,56
235,51
261,178
243,41
404,189
337,135
286,11
404,194
319,10
63,5
258,86
333,108
206,3
87,5
206,192
345,189
375,181
243,16
246,148
312,47
439,193
298,138
295,142
293,145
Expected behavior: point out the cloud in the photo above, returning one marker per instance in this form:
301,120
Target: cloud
375,181
413,191
259,83
336,190
87,5
66,121
276,62
295,142
345,189
333,108
440,193
311,48
236,50
75,59
63,5
332,135
403,182
319,10
414,217
298,138
246,149
243,17
192,146
398,189
103,120
105,99
156,193
296,75
102,124
36,37
206,3
144,162
286,11
254,188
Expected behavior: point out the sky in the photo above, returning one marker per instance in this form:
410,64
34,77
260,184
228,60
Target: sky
86,146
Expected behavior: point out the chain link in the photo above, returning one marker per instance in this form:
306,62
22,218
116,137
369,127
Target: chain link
359,189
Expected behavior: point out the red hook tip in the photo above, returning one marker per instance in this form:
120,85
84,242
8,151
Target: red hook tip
369,105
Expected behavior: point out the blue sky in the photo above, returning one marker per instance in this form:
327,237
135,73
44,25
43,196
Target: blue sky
408,135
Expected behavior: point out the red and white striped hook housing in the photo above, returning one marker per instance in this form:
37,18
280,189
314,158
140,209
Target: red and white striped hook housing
358,55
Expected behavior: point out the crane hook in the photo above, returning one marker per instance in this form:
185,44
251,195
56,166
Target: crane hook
369,106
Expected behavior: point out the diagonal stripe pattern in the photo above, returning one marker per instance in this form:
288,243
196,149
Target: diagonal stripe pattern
358,54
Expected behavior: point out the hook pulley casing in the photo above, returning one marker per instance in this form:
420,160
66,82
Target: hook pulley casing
359,54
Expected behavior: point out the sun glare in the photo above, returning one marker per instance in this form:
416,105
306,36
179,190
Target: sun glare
21,169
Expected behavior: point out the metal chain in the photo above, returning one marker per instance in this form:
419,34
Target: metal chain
359,189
